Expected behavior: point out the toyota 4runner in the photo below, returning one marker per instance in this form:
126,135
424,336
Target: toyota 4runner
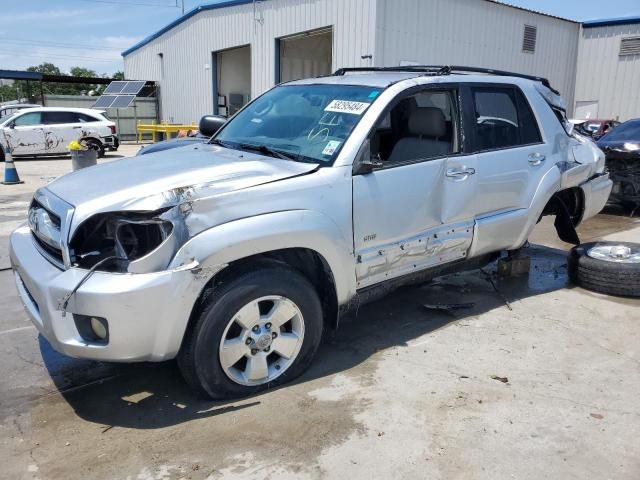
235,255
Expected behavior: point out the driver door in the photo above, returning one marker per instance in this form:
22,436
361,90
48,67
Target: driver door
414,210
25,136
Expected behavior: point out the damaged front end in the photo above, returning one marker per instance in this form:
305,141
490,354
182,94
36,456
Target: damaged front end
624,169
128,242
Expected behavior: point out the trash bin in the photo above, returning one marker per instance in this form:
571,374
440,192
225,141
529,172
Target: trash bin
83,158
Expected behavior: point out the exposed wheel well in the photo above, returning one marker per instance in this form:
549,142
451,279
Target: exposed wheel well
306,261
572,198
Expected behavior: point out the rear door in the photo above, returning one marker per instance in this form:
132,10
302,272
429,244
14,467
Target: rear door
512,159
61,127
25,134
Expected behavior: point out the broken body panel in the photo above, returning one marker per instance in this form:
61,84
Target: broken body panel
205,207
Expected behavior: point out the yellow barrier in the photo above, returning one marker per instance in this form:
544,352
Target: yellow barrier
166,128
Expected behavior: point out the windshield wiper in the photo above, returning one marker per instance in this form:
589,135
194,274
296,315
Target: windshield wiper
222,143
272,152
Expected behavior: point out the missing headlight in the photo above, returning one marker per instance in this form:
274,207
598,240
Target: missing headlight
127,235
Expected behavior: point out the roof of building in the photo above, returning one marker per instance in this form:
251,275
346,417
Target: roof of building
611,22
214,5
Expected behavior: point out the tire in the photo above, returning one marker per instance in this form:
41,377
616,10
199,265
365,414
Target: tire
200,357
618,276
97,144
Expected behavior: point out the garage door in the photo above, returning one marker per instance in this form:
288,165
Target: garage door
305,55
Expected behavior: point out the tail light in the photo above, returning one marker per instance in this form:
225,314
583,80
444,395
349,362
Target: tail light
113,129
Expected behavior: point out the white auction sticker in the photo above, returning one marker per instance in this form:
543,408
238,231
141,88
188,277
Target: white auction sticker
347,106
331,147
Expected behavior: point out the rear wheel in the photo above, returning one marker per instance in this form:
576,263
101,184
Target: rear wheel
257,331
96,145
612,268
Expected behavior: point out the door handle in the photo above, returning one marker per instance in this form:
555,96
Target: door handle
536,159
460,173
77,127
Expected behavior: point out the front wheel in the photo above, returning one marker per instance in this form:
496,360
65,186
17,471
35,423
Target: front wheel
257,331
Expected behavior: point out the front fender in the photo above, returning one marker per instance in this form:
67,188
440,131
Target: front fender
223,244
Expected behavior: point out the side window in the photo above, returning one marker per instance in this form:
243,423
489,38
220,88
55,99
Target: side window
31,118
503,119
82,118
418,127
57,118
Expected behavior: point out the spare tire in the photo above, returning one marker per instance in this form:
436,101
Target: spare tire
612,268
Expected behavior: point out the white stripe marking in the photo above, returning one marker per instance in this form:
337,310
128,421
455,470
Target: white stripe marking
17,329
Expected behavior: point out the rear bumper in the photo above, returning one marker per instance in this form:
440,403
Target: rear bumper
147,314
596,193
111,142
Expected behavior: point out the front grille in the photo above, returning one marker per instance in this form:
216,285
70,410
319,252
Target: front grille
52,253
55,219
49,219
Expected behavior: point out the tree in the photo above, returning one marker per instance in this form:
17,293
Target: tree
119,75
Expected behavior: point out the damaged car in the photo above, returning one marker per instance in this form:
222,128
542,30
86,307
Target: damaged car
622,150
48,130
235,256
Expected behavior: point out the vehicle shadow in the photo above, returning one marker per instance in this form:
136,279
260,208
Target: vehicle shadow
150,396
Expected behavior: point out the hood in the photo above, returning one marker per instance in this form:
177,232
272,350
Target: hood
167,178
173,143
631,147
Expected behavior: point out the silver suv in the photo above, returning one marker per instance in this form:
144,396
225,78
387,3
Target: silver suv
236,255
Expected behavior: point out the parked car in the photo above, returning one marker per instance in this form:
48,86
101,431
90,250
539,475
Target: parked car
9,110
622,149
48,131
208,126
596,128
236,255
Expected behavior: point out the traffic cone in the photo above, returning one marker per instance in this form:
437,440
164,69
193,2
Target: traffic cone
10,173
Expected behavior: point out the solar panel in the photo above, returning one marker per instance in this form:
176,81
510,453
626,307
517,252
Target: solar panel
115,87
104,101
133,88
123,101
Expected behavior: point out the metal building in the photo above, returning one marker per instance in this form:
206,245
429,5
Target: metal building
218,56
608,78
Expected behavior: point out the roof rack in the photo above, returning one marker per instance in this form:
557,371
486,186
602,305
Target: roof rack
446,70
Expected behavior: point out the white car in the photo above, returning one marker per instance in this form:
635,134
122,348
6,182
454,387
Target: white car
48,131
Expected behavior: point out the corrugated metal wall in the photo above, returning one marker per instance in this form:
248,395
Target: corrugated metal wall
467,32
476,33
605,77
186,86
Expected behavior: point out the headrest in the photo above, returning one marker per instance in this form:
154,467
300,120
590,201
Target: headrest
428,121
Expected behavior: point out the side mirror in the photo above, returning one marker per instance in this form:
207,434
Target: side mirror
365,161
210,124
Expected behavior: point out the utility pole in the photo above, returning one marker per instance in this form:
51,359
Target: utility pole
182,6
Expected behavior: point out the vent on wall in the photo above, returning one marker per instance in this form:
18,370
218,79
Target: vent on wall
529,39
630,46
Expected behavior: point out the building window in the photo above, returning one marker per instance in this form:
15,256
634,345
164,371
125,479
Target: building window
529,39
161,59
630,46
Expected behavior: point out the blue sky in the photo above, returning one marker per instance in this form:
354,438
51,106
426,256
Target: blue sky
93,33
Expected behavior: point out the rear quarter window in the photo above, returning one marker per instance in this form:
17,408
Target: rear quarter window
503,118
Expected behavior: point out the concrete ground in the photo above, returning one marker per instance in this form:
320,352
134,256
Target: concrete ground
539,379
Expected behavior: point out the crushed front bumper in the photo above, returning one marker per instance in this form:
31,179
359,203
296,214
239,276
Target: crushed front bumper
147,314
596,193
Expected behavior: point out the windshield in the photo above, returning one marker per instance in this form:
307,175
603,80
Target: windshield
626,131
307,123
